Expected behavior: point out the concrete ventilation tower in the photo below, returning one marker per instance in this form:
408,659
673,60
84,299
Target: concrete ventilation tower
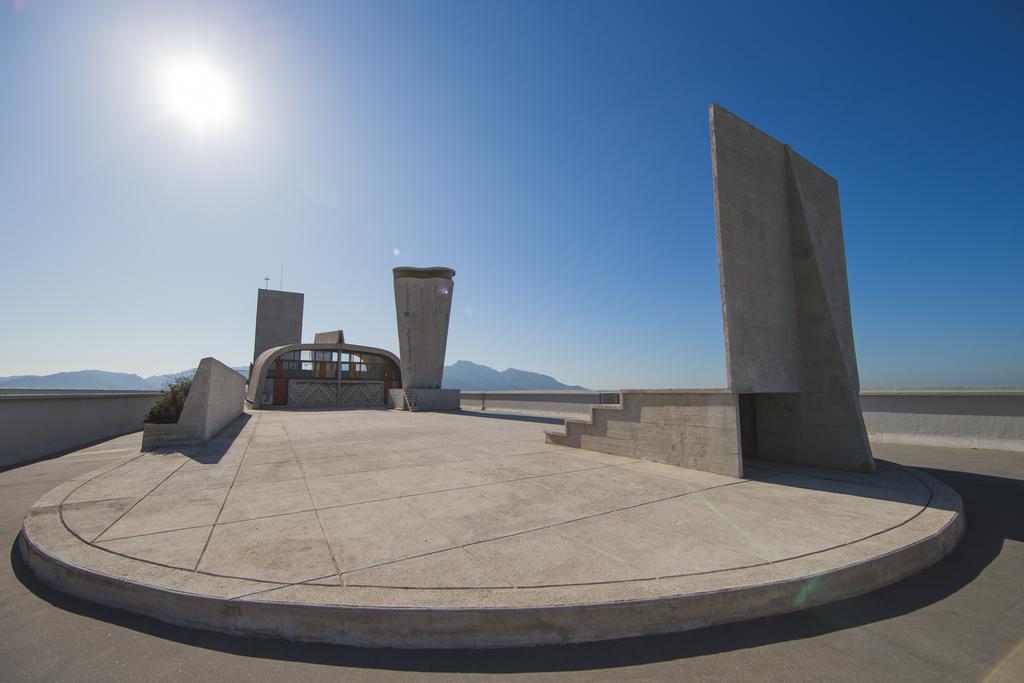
278,319
423,304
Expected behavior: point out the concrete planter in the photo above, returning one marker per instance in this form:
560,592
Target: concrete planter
214,400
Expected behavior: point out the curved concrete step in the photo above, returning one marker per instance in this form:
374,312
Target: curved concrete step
912,521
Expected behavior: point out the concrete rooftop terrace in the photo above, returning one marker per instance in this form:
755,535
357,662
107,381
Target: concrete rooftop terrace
378,527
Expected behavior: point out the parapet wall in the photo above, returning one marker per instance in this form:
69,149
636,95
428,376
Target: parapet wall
950,417
37,424
567,403
213,402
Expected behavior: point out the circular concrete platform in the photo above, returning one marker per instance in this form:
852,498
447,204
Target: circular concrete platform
438,530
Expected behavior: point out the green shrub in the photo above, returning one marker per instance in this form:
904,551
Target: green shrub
167,408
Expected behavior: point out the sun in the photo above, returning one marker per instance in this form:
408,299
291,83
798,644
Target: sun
198,94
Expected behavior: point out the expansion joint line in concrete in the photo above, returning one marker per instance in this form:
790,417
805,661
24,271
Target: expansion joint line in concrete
119,517
465,547
231,487
409,467
920,510
361,502
544,527
274,585
466,487
304,582
60,506
316,513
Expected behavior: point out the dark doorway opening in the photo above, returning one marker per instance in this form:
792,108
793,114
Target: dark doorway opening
748,426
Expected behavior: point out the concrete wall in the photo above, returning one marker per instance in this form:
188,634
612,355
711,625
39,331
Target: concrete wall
573,404
429,399
956,418
278,319
697,429
332,337
213,402
423,303
35,424
950,417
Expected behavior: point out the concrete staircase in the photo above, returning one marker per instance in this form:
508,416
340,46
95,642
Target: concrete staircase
694,428
572,434
411,400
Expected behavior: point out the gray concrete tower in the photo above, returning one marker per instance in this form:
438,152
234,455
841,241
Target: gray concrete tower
278,320
423,304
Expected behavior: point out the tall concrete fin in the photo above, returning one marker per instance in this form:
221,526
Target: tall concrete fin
816,196
822,423
785,300
756,275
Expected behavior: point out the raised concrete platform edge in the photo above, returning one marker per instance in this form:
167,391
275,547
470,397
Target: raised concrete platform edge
213,402
426,628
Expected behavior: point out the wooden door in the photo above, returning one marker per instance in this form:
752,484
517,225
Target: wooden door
280,384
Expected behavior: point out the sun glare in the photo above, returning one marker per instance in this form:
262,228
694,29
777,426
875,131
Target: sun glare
198,94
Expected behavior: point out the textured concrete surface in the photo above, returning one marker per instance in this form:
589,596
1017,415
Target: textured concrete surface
785,299
961,620
214,400
423,303
687,428
560,403
332,337
979,417
789,352
35,424
278,319
431,399
410,529
947,417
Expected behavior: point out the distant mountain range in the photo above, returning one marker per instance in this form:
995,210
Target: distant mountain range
97,379
470,376
460,375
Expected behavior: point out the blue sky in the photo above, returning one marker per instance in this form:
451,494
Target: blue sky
556,154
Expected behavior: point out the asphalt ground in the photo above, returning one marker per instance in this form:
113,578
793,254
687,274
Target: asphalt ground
961,620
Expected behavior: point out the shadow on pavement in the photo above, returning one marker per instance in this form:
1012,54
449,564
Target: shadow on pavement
995,511
213,450
900,483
